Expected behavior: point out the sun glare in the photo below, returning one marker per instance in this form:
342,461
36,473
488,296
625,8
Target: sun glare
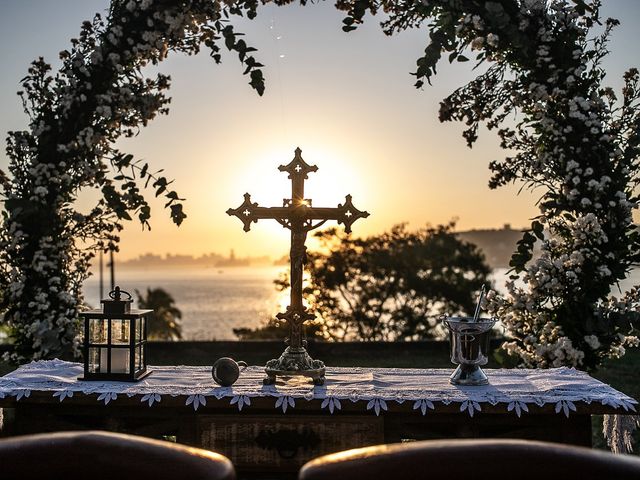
283,299
282,302
327,187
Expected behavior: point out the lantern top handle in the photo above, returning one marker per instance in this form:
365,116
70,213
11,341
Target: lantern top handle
116,293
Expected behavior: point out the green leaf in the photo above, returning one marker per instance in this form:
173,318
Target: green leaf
257,81
538,229
123,214
177,215
161,185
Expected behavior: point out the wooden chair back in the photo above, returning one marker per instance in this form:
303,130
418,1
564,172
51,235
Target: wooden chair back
472,460
96,455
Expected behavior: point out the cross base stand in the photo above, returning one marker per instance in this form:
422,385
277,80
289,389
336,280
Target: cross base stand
294,361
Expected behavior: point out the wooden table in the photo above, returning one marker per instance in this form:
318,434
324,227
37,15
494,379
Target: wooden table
289,423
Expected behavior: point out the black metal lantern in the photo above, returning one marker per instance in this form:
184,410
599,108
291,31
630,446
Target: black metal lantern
115,340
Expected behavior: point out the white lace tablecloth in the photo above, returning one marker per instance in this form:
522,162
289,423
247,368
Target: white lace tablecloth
377,387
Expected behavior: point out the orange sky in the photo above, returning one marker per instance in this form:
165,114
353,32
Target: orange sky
347,100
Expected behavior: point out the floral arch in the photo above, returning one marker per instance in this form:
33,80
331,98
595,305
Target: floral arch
572,138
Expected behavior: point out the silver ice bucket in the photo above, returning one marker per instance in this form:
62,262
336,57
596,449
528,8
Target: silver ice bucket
469,341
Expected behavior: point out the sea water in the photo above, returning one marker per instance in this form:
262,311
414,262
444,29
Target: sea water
214,301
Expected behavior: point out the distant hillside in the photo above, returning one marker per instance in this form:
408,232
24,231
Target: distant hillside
497,244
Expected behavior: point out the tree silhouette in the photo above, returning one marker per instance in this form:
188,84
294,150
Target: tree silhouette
165,321
389,287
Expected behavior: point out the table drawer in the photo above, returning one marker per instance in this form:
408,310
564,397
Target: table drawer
261,442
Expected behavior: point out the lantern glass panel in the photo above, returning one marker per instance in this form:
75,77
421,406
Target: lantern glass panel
97,330
120,333
139,365
139,328
94,359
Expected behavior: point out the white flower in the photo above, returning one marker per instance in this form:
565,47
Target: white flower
617,351
477,43
592,341
40,191
572,164
604,271
631,341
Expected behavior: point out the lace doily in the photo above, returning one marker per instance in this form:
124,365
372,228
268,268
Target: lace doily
514,388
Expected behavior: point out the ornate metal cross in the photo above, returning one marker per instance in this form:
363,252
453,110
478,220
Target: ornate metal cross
298,215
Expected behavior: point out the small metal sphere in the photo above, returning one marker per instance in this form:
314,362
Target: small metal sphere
225,371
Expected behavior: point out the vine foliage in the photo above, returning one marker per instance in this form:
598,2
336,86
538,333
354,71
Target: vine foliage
76,115
567,135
